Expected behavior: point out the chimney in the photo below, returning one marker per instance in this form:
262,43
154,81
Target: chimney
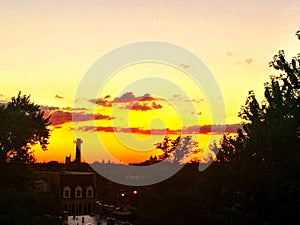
68,159
78,150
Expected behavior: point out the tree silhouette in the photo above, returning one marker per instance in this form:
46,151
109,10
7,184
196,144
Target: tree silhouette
166,147
256,177
22,126
177,150
263,159
184,148
271,129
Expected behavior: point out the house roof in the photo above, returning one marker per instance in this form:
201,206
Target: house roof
74,179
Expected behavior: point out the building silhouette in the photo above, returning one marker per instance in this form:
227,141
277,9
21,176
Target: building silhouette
78,150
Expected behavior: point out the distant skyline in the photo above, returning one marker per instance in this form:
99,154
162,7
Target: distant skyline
46,48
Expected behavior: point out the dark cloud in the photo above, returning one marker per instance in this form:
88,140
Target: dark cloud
102,101
74,109
60,117
49,108
138,107
96,129
59,97
215,128
128,130
192,130
132,102
102,117
231,128
156,106
80,117
55,108
127,97
143,106
130,97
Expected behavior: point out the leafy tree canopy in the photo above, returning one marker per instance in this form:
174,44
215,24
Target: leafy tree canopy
22,125
177,150
270,128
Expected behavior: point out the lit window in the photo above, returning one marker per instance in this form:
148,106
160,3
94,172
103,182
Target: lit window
89,192
78,192
67,192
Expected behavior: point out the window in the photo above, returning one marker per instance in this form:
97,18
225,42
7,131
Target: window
89,207
80,208
78,192
89,192
67,192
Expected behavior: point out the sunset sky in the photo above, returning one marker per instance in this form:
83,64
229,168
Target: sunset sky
47,47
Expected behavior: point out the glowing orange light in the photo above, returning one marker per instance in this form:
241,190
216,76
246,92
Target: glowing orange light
122,194
135,192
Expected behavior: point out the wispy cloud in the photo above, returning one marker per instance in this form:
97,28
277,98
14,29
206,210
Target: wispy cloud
130,97
180,98
145,106
138,107
216,129
156,106
102,101
56,108
248,61
184,66
3,99
129,101
61,115
58,96
229,53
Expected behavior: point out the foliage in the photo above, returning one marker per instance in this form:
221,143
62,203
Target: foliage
22,126
177,150
268,145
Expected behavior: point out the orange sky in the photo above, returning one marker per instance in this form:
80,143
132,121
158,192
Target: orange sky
47,47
